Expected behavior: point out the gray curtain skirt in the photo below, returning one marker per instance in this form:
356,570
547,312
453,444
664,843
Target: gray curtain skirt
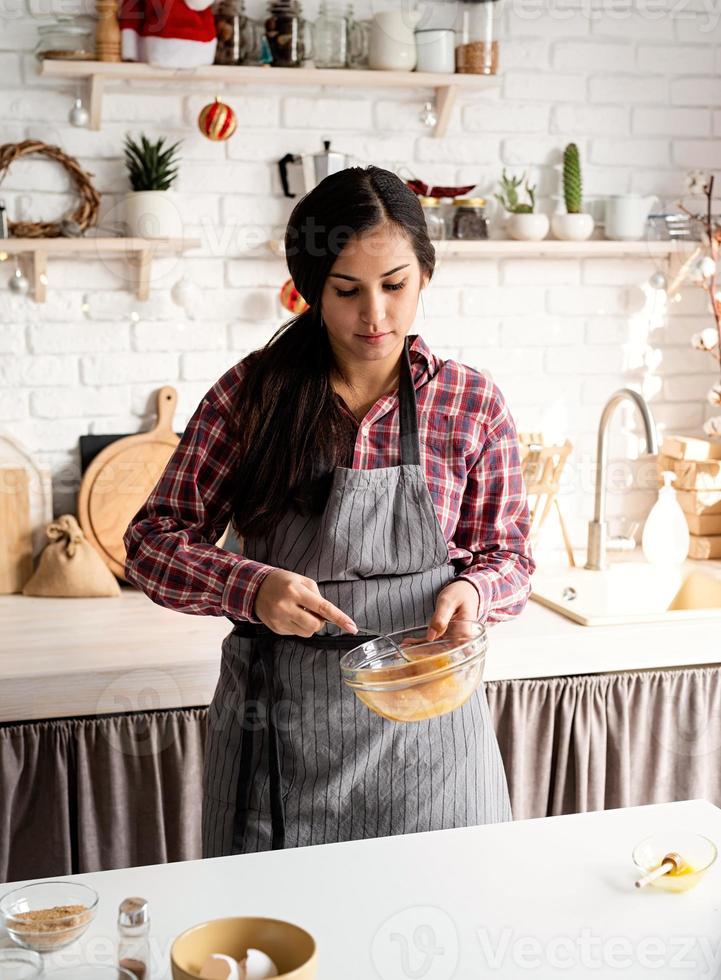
117,791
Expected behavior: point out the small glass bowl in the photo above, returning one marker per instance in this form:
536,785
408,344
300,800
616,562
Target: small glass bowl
429,679
47,895
698,854
20,964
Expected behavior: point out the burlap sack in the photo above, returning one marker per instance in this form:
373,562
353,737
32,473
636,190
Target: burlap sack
70,566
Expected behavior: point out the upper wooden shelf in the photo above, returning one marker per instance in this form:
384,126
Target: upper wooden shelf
97,73
139,252
549,248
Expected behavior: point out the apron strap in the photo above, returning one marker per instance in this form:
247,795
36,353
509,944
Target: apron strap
408,409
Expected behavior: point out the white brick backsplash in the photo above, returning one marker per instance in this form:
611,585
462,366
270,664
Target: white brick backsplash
123,369
77,338
628,89
696,153
208,364
553,87
585,300
13,404
590,120
12,338
681,122
351,113
489,117
591,56
576,360
500,301
630,152
672,59
181,335
78,402
686,387
539,330
46,369
635,84
696,92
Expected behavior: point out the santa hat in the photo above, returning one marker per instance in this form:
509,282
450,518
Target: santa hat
169,33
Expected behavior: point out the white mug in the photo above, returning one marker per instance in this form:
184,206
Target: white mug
626,216
436,50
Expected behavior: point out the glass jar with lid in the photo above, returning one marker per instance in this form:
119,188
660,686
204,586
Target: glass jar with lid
239,37
434,217
477,37
287,33
469,218
66,38
330,38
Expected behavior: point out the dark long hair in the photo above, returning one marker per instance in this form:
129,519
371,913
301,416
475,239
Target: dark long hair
289,428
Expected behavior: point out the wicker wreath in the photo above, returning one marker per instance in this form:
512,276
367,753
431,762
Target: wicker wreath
85,213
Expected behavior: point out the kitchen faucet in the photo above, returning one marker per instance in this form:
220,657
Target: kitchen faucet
597,528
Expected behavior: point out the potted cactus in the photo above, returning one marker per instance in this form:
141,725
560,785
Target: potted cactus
574,226
523,223
150,208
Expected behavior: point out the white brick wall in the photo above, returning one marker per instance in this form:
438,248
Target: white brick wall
636,85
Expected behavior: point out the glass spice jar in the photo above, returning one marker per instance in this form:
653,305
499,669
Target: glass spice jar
134,938
67,38
477,50
434,217
469,218
238,35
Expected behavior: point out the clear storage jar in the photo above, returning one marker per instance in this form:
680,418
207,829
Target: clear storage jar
67,38
477,37
434,217
469,218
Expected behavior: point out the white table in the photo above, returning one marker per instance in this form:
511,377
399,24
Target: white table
555,894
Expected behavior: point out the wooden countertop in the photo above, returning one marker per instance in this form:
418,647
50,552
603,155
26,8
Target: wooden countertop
70,657
541,898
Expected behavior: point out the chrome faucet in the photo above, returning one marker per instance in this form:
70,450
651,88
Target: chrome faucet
597,528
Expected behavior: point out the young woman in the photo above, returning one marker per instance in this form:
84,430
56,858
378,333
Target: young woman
373,485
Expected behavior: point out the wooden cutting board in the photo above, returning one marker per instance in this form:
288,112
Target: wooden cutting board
16,546
119,480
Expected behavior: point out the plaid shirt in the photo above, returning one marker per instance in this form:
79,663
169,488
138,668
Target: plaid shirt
470,457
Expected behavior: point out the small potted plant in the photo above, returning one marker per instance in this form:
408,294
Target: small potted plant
574,226
150,209
522,224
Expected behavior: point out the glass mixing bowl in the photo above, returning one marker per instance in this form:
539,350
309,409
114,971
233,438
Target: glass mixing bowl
697,852
424,679
72,903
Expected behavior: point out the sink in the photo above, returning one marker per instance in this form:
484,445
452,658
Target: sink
628,592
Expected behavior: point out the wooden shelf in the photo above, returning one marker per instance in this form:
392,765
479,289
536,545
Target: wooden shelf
98,73
138,252
549,248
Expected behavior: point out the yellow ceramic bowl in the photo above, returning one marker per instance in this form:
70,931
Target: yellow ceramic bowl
291,948
697,852
425,679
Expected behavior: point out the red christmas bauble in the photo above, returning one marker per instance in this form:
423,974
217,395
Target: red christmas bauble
217,121
291,299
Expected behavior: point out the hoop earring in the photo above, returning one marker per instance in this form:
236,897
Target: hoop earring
423,308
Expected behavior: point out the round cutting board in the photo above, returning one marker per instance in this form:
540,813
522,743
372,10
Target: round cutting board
119,480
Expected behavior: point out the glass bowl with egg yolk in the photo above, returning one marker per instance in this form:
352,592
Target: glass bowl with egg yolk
697,854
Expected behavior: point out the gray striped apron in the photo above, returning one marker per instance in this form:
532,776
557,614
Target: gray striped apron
293,757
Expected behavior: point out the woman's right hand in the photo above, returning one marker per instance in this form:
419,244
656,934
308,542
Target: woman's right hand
291,604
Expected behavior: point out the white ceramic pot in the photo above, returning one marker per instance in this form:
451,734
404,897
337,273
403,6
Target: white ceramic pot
527,227
572,227
392,43
626,216
152,214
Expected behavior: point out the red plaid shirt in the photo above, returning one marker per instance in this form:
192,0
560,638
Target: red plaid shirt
469,454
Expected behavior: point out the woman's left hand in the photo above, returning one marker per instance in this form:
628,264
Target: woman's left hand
458,600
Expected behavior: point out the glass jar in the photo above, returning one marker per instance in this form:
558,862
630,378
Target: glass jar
330,39
434,218
469,218
67,38
287,34
359,39
477,47
239,37
134,937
